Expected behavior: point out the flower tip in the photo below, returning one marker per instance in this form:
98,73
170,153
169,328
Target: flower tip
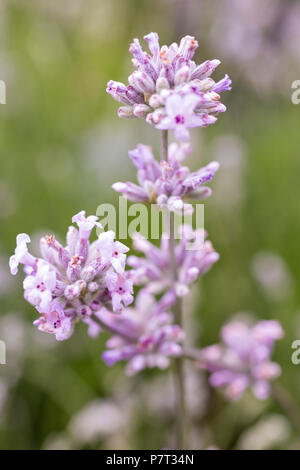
216,62
109,86
126,112
135,43
23,238
229,81
78,217
214,166
119,186
151,36
13,266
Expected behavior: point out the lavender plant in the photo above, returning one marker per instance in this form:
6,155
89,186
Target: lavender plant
88,281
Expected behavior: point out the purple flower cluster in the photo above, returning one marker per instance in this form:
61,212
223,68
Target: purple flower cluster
167,183
70,283
243,360
193,255
87,280
168,89
145,335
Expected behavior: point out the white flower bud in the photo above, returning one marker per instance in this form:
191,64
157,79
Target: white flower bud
161,84
141,110
126,112
155,101
182,75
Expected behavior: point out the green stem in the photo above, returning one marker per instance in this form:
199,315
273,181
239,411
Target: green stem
164,145
180,412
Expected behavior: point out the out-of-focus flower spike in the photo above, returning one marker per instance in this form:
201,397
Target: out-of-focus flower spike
119,324
243,359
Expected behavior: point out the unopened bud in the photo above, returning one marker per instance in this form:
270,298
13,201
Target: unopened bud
157,115
141,110
206,84
155,101
161,84
126,112
88,273
72,291
182,75
142,82
92,287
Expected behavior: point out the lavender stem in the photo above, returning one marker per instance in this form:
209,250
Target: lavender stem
180,414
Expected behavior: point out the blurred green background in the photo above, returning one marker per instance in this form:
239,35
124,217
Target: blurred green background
62,146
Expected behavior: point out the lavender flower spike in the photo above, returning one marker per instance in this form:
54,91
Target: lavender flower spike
70,283
169,183
153,271
243,360
144,336
168,89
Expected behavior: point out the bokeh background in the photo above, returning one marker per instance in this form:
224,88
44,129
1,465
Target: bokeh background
61,148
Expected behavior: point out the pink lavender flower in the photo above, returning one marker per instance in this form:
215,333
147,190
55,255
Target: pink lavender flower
194,257
169,89
144,335
243,360
167,183
70,283
180,115
55,322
